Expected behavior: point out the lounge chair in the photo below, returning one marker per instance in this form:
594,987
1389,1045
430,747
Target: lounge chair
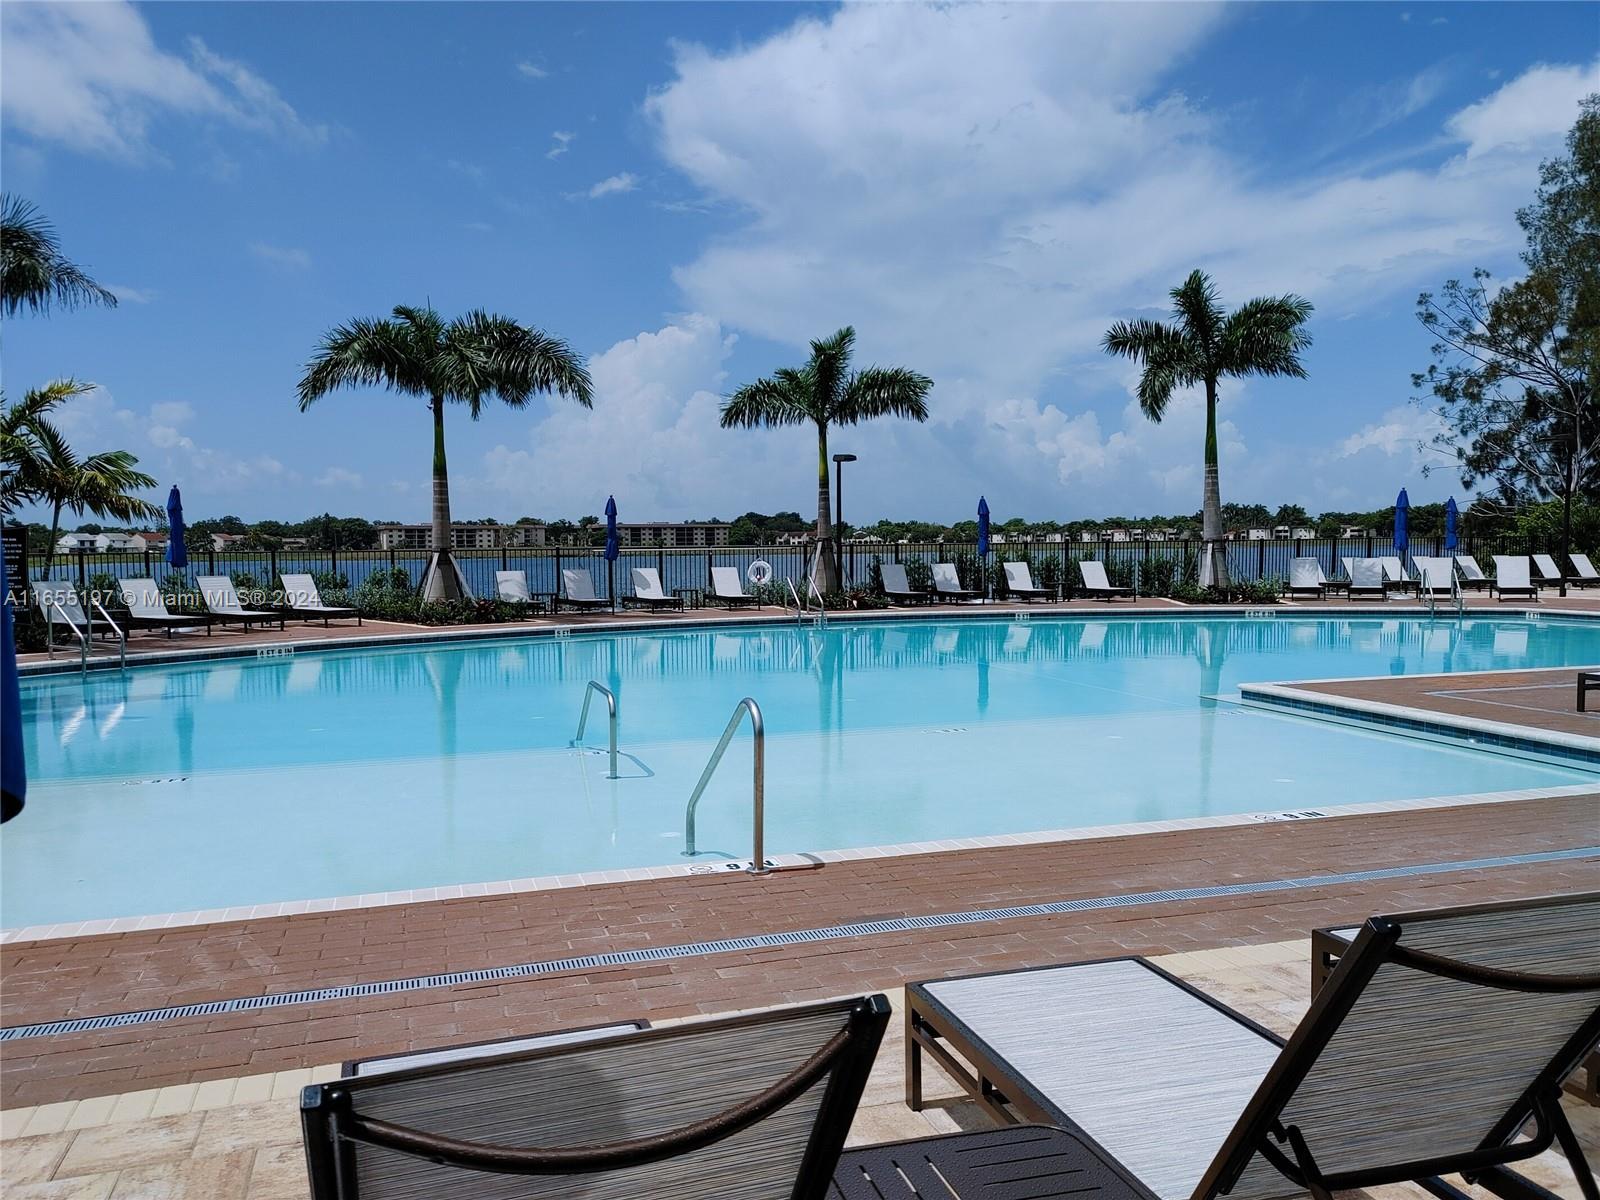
1395,578
648,592
898,589
63,610
1472,576
303,600
1511,577
1549,575
1306,578
1435,576
1583,573
947,584
222,602
511,587
754,1105
580,594
727,588
148,610
1437,1039
1095,584
1019,583
1366,578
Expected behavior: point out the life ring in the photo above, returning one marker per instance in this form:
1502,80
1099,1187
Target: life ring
758,572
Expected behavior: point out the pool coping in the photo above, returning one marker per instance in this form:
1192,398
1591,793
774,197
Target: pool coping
449,634
1298,698
737,867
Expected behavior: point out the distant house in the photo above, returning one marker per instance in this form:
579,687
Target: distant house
1088,535
799,538
101,543
1292,532
1354,531
1258,535
227,541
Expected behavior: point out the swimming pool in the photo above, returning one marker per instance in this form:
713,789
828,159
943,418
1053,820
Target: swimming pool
245,781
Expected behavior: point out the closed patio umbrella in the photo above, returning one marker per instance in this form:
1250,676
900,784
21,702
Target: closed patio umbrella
1402,512
1450,517
612,549
13,767
177,552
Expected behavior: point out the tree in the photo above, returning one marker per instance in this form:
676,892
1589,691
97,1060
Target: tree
42,468
1202,346
465,361
824,393
34,274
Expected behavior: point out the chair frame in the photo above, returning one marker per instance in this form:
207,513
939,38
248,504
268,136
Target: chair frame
331,1125
910,595
654,603
1030,594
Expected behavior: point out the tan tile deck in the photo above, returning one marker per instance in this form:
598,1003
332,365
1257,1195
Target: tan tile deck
46,980
245,1148
1535,699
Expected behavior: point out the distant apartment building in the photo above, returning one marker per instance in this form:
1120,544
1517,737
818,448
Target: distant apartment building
1297,533
462,536
680,535
1354,531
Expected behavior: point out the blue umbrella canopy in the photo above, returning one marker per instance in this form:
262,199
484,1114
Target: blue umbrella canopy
13,768
612,549
1402,511
1450,518
983,527
177,552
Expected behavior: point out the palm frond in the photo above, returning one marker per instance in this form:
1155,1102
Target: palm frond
34,274
1265,336
1198,307
781,400
882,392
486,354
364,353
830,366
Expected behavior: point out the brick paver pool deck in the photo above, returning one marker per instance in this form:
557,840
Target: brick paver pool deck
1545,699
48,980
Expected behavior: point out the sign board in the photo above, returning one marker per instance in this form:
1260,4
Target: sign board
14,545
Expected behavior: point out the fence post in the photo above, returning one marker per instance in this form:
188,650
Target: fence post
505,562
83,571
147,572
392,563
661,567
272,564
211,560
555,580
708,569
1261,561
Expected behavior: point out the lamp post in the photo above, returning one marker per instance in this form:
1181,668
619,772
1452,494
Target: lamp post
839,461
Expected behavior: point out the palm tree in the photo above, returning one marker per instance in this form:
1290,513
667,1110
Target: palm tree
825,392
1264,336
464,361
41,467
33,272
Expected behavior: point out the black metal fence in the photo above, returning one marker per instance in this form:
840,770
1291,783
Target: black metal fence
1247,560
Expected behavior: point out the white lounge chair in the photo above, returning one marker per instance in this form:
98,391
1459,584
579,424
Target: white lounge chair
580,594
648,592
1019,583
727,588
1583,572
1306,578
62,610
511,587
1549,575
1394,575
948,584
1366,578
898,589
301,595
1437,1046
1095,584
1472,576
1511,577
148,610
1436,576
222,602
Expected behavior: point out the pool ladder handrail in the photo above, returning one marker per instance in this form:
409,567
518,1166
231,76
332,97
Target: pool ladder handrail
84,636
614,719
800,610
758,858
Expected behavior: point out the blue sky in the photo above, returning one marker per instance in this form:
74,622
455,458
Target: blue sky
688,193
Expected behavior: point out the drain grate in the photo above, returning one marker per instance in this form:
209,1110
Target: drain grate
619,958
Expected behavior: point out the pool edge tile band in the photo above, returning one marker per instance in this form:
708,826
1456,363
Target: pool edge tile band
621,958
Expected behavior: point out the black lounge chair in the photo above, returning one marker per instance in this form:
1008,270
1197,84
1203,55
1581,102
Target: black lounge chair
1095,584
222,602
301,599
947,585
648,592
1019,583
580,593
1438,1046
756,1105
726,588
147,609
897,588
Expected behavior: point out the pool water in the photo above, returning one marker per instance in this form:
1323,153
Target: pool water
245,781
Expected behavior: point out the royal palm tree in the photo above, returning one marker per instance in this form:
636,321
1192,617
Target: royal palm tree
465,361
1205,343
41,467
33,272
826,392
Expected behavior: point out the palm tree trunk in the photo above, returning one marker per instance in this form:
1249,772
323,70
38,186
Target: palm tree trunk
827,569
443,580
1213,549
55,533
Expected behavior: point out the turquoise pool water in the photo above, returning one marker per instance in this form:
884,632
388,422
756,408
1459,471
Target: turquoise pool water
246,781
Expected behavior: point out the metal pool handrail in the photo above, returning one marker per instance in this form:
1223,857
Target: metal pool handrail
615,719
758,859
